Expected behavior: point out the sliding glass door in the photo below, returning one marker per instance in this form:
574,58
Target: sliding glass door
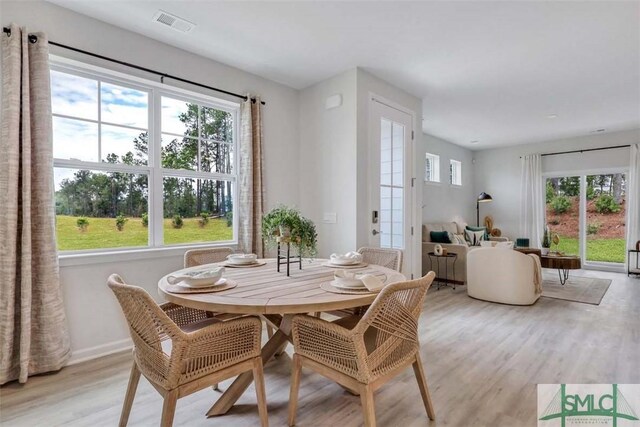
605,218
587,213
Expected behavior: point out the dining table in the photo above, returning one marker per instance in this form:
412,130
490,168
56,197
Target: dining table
275,297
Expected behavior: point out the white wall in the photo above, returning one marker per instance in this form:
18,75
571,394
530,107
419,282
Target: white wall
497,171
95,321
334,153
443,202
328,159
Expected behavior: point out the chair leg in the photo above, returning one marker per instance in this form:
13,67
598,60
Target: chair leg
424,390
368,408
134,378
295,387
258,379
169,408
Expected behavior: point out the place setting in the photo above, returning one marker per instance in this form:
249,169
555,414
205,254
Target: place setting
350,283
243,261
202,280
346,261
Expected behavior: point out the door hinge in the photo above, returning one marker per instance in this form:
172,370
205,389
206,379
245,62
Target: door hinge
412,230
411,276
412,135
413,182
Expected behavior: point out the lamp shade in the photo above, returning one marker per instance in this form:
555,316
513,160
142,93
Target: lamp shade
484,197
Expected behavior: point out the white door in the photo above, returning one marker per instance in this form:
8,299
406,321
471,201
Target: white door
390,196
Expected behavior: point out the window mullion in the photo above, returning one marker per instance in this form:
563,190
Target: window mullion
155,157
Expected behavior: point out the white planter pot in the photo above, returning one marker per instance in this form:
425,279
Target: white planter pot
544,251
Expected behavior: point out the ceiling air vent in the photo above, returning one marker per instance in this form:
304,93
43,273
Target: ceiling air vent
173,21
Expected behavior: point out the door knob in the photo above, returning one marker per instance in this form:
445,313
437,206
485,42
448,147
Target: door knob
375,232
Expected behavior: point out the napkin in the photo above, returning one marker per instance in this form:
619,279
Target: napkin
177,278
354,256
372,282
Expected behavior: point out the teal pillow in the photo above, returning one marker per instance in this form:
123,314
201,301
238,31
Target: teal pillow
440,237
486,234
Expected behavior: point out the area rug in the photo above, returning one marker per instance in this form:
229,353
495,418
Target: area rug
587,290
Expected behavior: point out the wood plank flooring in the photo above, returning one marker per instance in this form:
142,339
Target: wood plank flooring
482,362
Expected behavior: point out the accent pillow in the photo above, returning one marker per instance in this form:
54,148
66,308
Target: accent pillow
474,237
486,234
459,239
440,237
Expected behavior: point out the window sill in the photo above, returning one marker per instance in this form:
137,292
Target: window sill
436,183
127,255
455,185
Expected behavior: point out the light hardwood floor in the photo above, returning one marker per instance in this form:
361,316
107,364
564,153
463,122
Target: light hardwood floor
482,362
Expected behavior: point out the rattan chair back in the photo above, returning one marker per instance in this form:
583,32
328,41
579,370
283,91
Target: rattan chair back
390,258
393,316
196,257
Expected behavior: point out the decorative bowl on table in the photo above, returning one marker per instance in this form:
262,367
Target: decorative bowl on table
347,280
242,259
197,278
350,258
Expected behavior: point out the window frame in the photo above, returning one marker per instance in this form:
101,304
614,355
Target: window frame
153,170
458,168
435,159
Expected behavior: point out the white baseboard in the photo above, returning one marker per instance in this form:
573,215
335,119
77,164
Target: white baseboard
90,353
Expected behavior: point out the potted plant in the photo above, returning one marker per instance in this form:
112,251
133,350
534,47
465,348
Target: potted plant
285,222
546,241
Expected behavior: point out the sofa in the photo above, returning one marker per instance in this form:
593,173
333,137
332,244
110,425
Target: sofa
458,249
502,275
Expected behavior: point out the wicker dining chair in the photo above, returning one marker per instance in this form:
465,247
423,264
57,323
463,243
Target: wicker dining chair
380,346
203,350
390,258
196,257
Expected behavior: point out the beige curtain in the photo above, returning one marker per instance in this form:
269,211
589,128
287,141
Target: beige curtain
33,328
250,185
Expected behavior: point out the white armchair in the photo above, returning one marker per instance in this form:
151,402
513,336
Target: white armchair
502,275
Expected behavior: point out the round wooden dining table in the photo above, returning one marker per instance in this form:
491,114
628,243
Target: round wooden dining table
276,297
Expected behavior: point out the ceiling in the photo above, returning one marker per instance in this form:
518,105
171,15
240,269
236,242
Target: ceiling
491,72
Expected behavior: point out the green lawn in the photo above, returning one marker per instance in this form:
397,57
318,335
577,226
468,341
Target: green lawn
606,250
102,233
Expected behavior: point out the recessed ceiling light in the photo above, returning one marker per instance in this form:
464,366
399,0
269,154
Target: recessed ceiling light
598,130
552,116
475,141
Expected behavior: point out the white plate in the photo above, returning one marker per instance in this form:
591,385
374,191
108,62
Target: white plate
242,259
220,282
339,285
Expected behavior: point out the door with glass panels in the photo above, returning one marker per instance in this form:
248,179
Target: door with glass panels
390,189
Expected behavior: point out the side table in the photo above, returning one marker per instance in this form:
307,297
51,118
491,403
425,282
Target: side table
633,270
440,280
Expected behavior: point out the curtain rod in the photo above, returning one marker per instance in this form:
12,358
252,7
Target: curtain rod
33,38
584,150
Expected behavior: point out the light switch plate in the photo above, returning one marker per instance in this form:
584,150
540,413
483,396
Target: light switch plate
330,218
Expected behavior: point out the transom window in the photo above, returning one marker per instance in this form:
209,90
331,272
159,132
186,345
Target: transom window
136,165
432,168
455,172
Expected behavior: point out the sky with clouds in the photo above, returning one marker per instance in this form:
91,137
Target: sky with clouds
76,137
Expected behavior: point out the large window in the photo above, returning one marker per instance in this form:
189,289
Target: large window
432,168
455,172
137,165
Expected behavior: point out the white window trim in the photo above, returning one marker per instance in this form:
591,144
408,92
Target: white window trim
154,172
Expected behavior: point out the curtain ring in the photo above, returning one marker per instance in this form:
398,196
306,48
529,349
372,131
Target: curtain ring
33,39
7,31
